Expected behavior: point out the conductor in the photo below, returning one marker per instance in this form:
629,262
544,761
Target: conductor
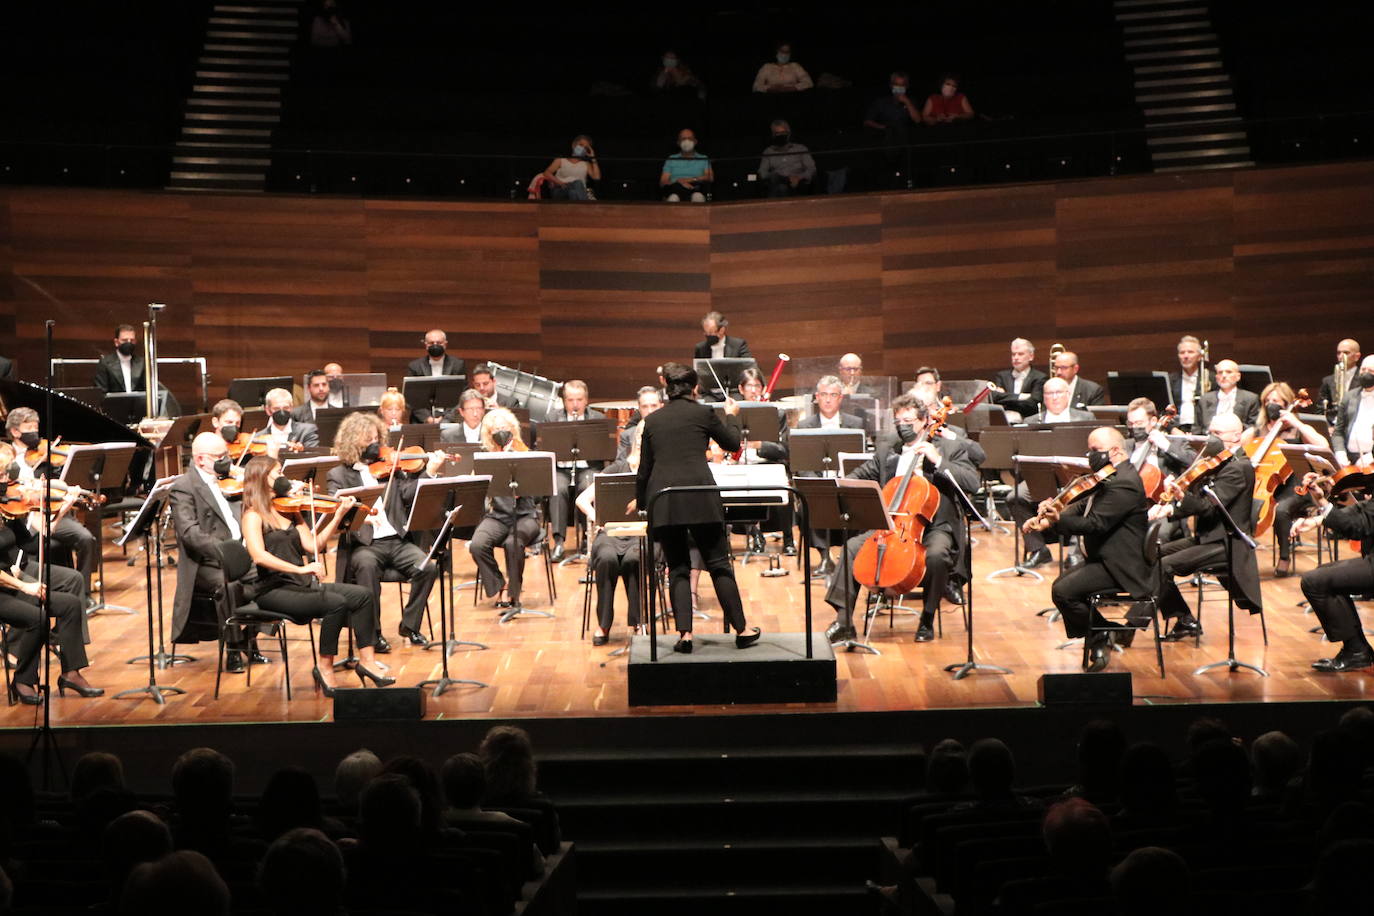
673,454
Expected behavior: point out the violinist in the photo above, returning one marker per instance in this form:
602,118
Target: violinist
21,596
944,535
1234,485
759,451
1112,522
1353,438
291,577
24,438
281,429
1330,589
1277,400
572,476
1055,393
615,551
382,543
510,522
466,419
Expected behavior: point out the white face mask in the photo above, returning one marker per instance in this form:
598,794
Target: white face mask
899,90
783,58
579,150
687,145
669,63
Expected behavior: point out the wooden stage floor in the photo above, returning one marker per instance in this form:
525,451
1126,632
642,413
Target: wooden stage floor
539,667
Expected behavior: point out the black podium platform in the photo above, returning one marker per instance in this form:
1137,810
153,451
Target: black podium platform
775,670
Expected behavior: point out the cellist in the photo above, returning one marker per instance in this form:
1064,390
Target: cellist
1276,410
944,535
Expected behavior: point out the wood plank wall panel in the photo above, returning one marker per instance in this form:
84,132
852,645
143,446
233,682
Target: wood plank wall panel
1273,266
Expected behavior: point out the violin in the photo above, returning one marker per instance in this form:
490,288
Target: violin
1346,480
896,560
47,452
411,459
230,486
239,445
1075,489
311,503
19,501
1195,472
1271,466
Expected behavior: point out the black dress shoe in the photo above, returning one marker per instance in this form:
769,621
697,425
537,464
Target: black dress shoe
823,571
558,554
954,594
1183,628
502,605
31,698
600,640
836,633
258,658
1283,568
1073,559
924,633
790,550
233,663
1345,660
415,638
1099,652
684,646
82,690
1036,558
382,647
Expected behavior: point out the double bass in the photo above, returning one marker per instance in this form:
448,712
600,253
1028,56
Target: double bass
895,560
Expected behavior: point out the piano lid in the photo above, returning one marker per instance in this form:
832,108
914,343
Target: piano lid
72,420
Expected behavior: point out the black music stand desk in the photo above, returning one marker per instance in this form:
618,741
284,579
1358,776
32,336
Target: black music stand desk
849,505
99,467
146,526
818,450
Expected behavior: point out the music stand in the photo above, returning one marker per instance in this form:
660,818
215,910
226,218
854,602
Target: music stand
963,669
126,407
576,440
425,435
727,368
430,391
849,505
1125,387
359,389
755,422
852,461
353,522
459,462
147,525
518,474
252,392
1011,446
327,421
311,470
818,450
447,503
86,465
1233,534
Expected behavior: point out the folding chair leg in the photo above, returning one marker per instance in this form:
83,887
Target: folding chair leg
285,660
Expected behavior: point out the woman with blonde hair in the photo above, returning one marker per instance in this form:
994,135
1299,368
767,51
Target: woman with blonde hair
509,522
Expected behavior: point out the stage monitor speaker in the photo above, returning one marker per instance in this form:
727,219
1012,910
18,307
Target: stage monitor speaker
1099,689
355,704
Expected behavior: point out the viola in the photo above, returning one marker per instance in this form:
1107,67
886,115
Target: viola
896,560
1150,474
1271,467
1075,489
230,486
411,459
239,445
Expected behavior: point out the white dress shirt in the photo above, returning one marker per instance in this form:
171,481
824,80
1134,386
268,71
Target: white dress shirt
221,504
718,349
1187,391
381,525
1360,440
831,422
126,365
1065,417
1226,402
1018,379
436,366
472,434
572,464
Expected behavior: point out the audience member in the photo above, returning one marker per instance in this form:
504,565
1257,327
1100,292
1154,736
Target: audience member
290,800
1275,760
127,842
203,790
675,76
686,174
992,773
786,167
782,74
1147,788
1222,772
947,769
894,115
465,783
948,104
1340,884
96,770
508,759
571,176
1150,881
352,775
98,792
1101,745
425,782
330,28
180,882
302,874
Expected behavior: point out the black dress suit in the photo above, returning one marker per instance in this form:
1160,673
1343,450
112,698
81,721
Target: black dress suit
1329,588
305,413
673,454
1112,521
1031,397
735,348
1086,392
109,376
307,434
1234,485
1176,387
1326,395
419,368
1345,422
363,558
199,528
1247,408
944,537
24,613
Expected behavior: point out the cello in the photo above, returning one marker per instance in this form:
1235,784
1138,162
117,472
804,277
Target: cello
1271,466
895,560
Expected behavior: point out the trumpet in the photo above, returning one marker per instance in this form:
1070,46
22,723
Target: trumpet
1055,350
1339,383
1204,382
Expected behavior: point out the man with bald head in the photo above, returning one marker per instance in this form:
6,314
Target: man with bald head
202,517
1082,392
1341,381
1353,438
1227,397
850,371
1112,522
1059,407
1234,486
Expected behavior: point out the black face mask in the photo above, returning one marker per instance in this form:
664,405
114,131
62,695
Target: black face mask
1139,434
781,139
712,340
281,486
1097,460
222,466
30,440
229,433
372,453
1272,411
281,417
1214,446
501,437
336,385
125,348
435,350
907,433
1365,380
12,472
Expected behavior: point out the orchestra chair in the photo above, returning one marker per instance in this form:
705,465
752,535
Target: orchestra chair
5,650
235,563
1154,539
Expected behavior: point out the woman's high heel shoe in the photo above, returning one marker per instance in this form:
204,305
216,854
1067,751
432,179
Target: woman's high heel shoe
745,640
81,690
365,675
319,682
28,699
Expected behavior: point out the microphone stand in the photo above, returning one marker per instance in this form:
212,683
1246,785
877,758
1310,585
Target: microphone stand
1234,533
963,669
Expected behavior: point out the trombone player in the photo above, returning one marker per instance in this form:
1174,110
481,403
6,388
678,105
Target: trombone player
1335,385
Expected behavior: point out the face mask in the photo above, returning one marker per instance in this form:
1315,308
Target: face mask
669,63
579,151
687,145
372,453
1139,433
948,91
229,433
1097,460
781,139
336,384
281,486
1366,380
784,58
12,472
1214,446
501,437
435,350
1272,411
281,417
30,440
899,90
125,348
907,433
222,466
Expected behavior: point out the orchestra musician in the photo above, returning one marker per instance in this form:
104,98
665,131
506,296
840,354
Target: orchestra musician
318,397
1190,381
122,370
68,533
436,361
615,551
510,522
929,377
1330,589
1082,392
382,543
850,371
759,451
1018,389
1055,393
1149,444
1057,398
391,407
648,399
290,576
484,381
944,537
465,420
1234,486
572,476
21,595
1227,397
1352,440
226,418
1277,399
673,453
281,428
829,398
1342,378
1112,522
718,345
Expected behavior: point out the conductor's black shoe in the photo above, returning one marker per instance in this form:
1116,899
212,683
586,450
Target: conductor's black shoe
233,663
1345,660
954,594
684,646
558,554
415,637
837,633
924,632
1184,628
745,640
1036,558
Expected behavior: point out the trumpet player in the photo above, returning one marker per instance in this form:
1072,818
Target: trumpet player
1192,380
1329,588
1342,377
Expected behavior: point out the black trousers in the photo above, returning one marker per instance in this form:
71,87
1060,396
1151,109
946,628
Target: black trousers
560,503
1070,594
1328,589
1287,507
368,562
74,536
614,559
513,539
714,544
333,603
941,552
1182,558
24,614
